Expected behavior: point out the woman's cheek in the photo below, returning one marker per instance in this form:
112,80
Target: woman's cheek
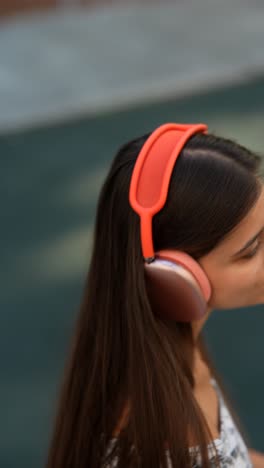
230,288
238,284
258,273
224,288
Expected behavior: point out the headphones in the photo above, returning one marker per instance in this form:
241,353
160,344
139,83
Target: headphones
177,286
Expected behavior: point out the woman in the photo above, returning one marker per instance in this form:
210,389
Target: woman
139,389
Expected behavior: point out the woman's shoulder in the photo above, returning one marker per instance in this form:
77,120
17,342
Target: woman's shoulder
227,442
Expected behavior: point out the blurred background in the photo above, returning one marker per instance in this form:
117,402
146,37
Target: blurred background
78,79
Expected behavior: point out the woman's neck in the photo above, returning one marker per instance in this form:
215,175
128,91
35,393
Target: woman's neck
197,325
201,371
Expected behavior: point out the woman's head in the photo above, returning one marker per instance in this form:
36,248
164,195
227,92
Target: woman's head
121,351
215,205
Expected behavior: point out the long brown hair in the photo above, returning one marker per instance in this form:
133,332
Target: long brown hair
121,353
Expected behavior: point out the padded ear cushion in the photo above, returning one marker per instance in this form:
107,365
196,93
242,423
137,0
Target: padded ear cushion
181,258
173,290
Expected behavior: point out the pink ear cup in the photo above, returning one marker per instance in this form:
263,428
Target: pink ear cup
181,258
175,291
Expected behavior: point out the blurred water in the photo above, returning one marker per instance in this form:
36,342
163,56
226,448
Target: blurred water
73,61
50,180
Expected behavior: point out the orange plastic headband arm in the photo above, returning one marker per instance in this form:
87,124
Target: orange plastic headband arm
152,172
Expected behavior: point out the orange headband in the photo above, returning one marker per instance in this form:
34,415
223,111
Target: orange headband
152,172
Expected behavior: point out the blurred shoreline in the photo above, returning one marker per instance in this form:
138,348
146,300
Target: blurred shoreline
76,62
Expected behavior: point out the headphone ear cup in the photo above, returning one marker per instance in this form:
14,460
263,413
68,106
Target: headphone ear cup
177,286
180,258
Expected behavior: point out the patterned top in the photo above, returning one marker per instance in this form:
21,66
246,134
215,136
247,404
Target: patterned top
230,446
